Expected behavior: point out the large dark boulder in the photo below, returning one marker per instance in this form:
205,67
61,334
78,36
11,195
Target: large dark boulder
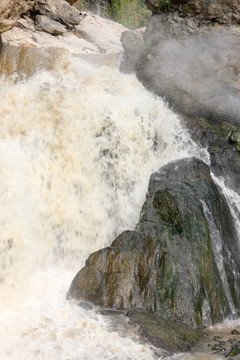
223,144
11,10
182,262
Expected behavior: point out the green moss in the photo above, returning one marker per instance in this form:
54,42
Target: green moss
234,352
163,333
167,284
223,130
131,13
168,210
164,5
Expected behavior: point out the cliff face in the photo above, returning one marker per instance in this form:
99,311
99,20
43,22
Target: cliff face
11,10
222,11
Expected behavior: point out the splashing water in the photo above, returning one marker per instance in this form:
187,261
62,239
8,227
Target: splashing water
78,143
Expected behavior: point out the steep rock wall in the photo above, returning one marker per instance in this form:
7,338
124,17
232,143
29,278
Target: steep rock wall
222,11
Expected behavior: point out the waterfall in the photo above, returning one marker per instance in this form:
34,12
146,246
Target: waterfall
217,246
78,143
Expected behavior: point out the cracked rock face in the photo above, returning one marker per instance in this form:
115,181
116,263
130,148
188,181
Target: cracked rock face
222,11
168,265
11,10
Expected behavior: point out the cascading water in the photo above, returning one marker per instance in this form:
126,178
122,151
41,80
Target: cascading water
217,243
78,143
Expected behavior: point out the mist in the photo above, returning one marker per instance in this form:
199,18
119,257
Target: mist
198,76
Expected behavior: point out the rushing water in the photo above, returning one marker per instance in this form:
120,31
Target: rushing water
78,143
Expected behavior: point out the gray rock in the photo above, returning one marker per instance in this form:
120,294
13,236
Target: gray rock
132,42
235,137
190,56
196,69
59,10
43,23
163,333
169,265
104,33
223,151
193,63
222,11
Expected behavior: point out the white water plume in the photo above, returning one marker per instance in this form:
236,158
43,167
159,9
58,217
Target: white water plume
233,200
217,246
77,146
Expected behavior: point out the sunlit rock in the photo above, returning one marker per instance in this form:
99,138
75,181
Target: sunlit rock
93,36
59,10
11,10
104,33
43,23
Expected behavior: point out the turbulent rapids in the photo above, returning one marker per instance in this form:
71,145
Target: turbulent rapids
78,142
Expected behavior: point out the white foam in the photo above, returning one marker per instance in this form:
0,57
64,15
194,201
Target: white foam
77,146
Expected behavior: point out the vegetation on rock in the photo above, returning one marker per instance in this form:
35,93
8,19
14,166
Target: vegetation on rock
131,13
164,5
169,264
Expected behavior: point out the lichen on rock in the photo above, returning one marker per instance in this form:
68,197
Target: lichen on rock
168,265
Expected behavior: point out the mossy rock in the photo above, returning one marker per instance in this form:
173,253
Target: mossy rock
168,265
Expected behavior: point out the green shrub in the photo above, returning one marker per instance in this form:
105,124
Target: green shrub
164,5
131,13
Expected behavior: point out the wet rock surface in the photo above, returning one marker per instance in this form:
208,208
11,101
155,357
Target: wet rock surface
168,265
163,333
222,143
190,57
59,24
223,343
132,42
